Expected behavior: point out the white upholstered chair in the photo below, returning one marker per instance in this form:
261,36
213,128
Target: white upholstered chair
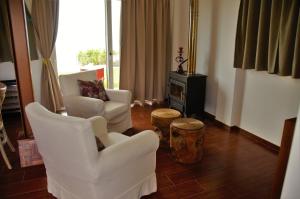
117,111
75,169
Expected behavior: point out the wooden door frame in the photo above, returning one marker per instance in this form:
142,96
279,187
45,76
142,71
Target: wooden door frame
21,58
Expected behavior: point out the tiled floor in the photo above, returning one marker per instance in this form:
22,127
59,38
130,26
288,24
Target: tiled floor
232,167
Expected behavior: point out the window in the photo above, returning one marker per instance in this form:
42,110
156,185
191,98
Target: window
88,34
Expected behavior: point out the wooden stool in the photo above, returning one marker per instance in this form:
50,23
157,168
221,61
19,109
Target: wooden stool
161,119
3,136
186,141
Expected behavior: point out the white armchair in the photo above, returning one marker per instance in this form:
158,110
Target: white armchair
117,111
125,169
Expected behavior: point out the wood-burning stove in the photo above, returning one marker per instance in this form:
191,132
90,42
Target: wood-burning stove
187,93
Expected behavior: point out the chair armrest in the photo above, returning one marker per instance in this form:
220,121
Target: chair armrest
99,125
125,152
119,95
84,107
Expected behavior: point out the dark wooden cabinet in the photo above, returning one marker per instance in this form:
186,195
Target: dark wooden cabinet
187,93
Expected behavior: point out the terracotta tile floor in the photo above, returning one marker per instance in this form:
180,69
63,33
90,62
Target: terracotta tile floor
232,167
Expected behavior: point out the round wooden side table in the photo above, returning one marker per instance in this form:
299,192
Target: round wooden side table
161,119
186,141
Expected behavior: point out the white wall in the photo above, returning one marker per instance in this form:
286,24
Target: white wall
255,101
268,100
7,71
36,73
291,183
217,23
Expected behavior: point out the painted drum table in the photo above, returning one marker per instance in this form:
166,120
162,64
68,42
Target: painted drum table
162,118
186,141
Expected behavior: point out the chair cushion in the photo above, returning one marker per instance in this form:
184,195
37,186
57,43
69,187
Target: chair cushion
94,89
113,109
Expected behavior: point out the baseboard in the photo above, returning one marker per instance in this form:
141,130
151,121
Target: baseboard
235,129
219,124
209,116
266,144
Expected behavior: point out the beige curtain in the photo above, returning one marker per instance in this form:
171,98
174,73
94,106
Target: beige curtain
268,36
5,39
45,22
145,46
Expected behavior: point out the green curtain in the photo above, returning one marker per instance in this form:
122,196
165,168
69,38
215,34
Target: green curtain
6,54
268,36
30,34
5,42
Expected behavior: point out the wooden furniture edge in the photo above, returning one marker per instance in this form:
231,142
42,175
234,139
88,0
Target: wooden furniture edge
284,154
21,58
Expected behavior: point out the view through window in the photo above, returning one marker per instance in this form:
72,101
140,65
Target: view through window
116,11
81,38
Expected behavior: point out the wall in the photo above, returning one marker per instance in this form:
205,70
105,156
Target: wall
217,23
36,73
255,101
291,183
7,71
268,101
